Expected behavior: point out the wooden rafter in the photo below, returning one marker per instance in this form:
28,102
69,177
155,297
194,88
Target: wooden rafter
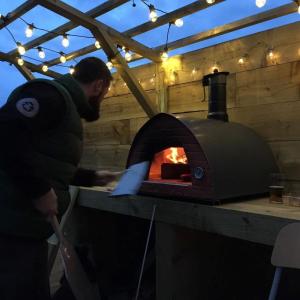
95,12
249,21
109,48
183,11
34,68
172,16
18,12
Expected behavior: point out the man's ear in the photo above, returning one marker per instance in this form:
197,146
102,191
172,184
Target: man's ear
97,86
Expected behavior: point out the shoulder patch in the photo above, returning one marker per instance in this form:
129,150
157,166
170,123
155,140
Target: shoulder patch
28,107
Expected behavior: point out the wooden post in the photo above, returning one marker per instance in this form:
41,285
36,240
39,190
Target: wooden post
161,89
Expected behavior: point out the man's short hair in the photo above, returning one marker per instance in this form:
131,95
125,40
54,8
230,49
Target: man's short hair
90,69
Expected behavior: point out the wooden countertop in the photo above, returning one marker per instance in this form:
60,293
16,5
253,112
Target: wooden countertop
253,220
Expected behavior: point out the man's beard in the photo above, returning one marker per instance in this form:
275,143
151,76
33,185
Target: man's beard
94,112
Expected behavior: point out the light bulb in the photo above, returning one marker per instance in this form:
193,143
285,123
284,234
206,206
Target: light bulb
124,49
45,68
153,15
20,61
29,30
194,71
260,3
21,48
109,64
210,1
41,52
271,53
62,58
178,22
71,70
241,61
128,56
65,41
165,56
299,9
97,44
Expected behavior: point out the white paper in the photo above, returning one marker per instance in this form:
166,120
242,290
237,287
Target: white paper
132,179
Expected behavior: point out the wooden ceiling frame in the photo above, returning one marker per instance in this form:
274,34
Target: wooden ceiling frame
110,49
165,19
95,12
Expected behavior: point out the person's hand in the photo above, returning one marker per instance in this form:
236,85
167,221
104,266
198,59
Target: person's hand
105,177
47,203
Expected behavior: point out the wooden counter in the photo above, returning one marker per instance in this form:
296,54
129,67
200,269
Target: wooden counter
253,220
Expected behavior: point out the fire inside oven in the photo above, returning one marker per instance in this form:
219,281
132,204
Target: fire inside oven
170,166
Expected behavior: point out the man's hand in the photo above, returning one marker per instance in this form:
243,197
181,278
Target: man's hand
47,204
105,177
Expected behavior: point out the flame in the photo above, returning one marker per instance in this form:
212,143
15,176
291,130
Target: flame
175,157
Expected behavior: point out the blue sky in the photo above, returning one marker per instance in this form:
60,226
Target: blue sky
124,18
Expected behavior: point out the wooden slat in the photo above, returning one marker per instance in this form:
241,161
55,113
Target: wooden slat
86,21
95,12
109,48
249,21
18,12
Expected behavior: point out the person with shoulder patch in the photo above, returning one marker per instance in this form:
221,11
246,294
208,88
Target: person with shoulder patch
41,146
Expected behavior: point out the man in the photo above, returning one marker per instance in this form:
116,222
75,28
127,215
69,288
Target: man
41,146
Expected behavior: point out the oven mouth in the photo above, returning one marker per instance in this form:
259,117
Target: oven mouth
170,166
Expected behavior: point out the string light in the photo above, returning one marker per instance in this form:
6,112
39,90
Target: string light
243,60
164,57
260,3
178,22
271,53
65,41
45,68
29,30
41,52
71,70
21,48
153,14
20,61
128,55
62,58
210,1
109,64
97,44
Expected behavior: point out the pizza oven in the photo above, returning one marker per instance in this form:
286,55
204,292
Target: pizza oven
203,160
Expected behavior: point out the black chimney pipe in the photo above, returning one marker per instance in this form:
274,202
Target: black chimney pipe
217,95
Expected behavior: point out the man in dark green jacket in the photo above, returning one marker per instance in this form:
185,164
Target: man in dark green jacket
41,146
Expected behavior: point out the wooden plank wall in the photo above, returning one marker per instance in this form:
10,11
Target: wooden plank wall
263,94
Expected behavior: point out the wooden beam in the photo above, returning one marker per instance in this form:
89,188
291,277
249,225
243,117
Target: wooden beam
24,71
82,19
109,48
172,16
249,21
95,12
18,12
34,68
183,11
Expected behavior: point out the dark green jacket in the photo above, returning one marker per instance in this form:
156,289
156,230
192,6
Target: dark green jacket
41,131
